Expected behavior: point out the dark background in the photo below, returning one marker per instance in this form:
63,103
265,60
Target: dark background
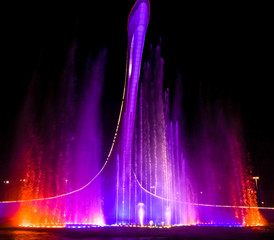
224,47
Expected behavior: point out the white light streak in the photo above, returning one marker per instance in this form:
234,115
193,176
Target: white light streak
107,160
199,204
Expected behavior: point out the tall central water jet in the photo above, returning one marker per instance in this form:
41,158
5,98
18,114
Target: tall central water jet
137,26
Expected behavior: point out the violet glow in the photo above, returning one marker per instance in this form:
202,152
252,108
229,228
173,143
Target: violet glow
156,178
65,156
137,25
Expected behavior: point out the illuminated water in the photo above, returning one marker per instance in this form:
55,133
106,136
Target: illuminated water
156,173
168,177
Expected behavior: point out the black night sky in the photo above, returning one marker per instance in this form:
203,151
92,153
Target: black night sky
224,48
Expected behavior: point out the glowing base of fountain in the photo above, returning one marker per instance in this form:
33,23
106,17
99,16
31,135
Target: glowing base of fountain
186,231
91,225
42,225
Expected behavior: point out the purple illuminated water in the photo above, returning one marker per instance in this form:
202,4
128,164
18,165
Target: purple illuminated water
174,182
137,25
155,172
158,157
59,147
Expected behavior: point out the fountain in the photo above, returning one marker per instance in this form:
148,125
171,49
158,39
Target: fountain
156,179
55,151
141,213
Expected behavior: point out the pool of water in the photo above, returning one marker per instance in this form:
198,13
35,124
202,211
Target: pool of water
146,234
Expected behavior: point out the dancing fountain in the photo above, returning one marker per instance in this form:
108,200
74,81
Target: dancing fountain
158,180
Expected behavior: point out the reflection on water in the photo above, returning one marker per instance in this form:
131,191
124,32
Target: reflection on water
198,234
26,235
29,235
